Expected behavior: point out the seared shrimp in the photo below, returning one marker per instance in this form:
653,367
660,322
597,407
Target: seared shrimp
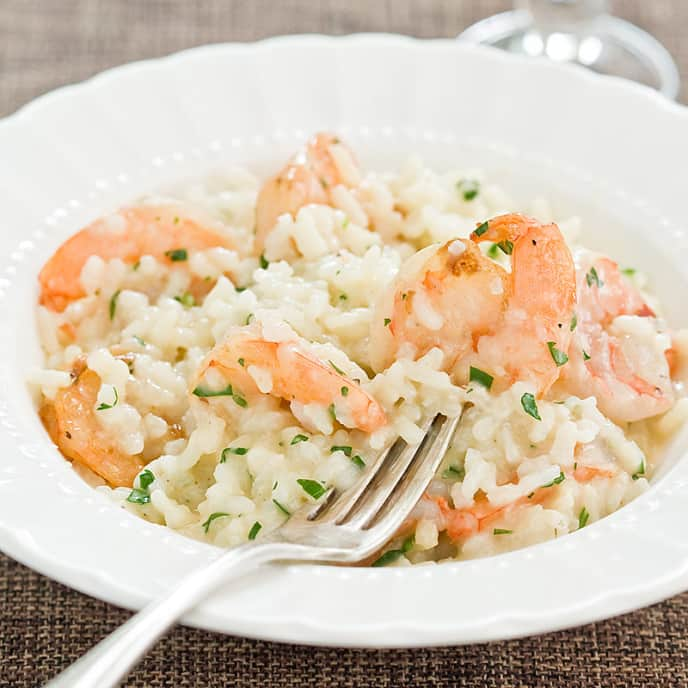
515,326
128,234
71,423
620,361
308,177
286,370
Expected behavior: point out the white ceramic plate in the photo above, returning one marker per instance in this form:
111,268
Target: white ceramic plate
610,151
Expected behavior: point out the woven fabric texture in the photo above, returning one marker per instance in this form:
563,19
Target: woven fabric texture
44,626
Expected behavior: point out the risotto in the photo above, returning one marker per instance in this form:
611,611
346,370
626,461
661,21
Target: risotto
219,355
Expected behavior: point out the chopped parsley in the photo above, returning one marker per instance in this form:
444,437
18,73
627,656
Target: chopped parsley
186,299
136,265
248,318
332,411
177,255
501,531
139,340
469,188
529,405
113,304
492,251
586,356
298,438
346,450
641,470
593,278
629,271
337,368
241,362
481,377
559,479
226,392
146,479
481,229
264,262
138,496
312,487
103,407
387,321
506,246
211,518
454,472
574,322
558,356
281,507
255,529
358,461
392,555
343,297
583,517
344,391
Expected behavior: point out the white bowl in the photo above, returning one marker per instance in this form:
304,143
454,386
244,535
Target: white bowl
608,150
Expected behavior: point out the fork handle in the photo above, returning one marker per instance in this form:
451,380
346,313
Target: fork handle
111,659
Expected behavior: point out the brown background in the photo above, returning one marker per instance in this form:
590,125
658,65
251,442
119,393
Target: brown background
45,626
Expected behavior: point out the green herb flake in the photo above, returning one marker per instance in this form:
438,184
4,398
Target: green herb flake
211,518
136,265
255,529
337,369
529,405
640,473
177,255
113,304
138,496
559,479
176,220
506,246
469,188
139,340
264,262
281,507
629,271
593,278
332,411
241,362
387,321
574,322
583,517
226,392
344,391
298,438
481,377
239,400
248,318
501,531
103,407
493,251
238,290
358,461
390,556
346,450
146,479
481,229
186,299
586,356
343,297
559,357
312,487
454,473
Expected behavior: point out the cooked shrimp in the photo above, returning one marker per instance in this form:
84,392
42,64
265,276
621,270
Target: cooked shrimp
128,234
286,370
620,360
71,423
308,177
455,298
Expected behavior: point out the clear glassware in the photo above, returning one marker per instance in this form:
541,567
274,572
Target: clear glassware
580,31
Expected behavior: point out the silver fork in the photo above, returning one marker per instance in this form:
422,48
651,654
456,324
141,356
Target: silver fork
343,528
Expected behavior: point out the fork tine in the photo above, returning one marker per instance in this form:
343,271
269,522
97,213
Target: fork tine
350,498
419,461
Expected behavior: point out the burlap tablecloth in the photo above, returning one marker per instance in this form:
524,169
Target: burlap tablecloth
45,626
